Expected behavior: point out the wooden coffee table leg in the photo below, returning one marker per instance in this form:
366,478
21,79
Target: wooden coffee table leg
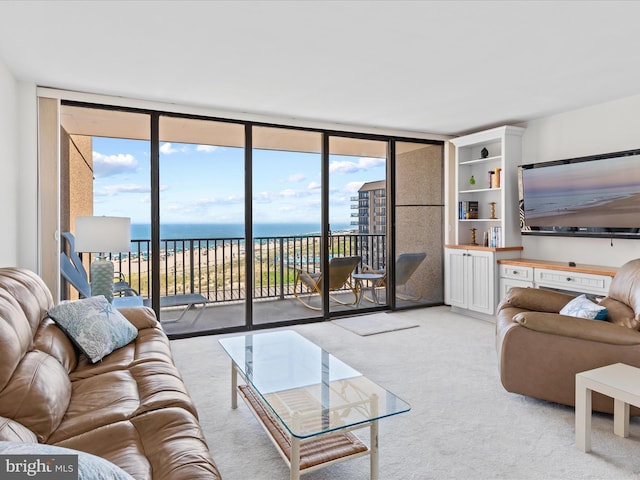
374,450
234,386
295,458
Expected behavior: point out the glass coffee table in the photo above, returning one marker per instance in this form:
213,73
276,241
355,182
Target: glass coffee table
307,400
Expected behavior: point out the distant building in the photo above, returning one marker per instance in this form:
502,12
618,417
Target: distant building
371,206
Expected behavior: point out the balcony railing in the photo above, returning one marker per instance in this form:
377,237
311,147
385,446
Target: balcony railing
216,267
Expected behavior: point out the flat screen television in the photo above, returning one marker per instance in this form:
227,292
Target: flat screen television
595,196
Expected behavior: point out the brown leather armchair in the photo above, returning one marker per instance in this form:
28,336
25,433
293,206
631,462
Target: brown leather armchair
540,351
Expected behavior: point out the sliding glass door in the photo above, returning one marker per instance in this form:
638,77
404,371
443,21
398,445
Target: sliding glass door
286,211
202,249
357,193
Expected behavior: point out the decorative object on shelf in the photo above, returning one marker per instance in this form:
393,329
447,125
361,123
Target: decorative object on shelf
101,235
484,153
491,172
472,181
486,239
493,210
473,236
496,177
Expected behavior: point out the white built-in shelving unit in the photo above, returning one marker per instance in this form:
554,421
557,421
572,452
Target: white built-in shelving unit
504,152
471,270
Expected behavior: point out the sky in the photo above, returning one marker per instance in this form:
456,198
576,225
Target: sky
205,184
611,174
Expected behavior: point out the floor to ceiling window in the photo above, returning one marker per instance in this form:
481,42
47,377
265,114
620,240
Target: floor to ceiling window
358,221
255,225
286,212
202,229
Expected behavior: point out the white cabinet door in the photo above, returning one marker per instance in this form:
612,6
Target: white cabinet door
481,281
455,269
471,280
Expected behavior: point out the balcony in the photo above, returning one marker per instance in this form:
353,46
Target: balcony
216,269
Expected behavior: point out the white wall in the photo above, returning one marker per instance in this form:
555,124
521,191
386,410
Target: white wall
608,127
8,167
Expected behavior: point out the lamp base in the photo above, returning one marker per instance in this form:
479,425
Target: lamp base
102,278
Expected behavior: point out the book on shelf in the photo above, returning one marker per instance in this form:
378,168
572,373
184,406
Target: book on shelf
495,236
468,210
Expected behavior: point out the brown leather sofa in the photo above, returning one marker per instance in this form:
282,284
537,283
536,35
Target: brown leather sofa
540,351
132,408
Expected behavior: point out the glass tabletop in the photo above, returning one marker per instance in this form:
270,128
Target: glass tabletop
309,390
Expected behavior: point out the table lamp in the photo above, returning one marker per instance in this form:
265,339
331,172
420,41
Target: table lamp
102,235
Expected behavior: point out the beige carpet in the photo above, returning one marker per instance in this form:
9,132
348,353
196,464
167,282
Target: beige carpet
375,323
463,424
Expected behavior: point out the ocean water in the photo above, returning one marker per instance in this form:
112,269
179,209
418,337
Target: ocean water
179,231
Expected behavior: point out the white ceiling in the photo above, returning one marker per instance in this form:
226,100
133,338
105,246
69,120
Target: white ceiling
428,66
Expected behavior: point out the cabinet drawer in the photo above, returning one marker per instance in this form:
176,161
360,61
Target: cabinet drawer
578,282
516,272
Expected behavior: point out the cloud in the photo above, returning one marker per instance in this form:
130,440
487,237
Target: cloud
109,165
296,177
353,187
167,149
111,190
201,206
289,192
364,163
206,148
314,186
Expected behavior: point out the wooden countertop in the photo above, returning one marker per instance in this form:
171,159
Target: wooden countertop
564,266
486,249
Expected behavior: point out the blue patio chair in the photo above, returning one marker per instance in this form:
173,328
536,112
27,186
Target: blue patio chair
72,270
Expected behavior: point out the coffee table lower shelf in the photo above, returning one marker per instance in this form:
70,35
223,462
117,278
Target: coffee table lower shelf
305,455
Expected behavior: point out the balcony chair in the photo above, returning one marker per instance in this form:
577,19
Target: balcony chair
340,270
73,271
406,265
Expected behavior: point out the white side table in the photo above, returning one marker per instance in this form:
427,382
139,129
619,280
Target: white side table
619,381
373,279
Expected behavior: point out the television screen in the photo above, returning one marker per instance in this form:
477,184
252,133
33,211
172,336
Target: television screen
590,196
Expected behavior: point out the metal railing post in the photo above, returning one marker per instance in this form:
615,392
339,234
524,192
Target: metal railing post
281,262
191,267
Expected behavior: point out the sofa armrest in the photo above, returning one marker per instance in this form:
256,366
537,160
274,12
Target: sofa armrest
536,299
140,317
594,330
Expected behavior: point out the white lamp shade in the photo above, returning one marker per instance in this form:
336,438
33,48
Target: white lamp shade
103,234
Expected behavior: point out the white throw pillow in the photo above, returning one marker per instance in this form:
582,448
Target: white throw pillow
584,308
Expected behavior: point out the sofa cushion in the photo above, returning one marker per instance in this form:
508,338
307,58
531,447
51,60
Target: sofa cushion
161,444
90,467
37,395
582,307
94,326
52,340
